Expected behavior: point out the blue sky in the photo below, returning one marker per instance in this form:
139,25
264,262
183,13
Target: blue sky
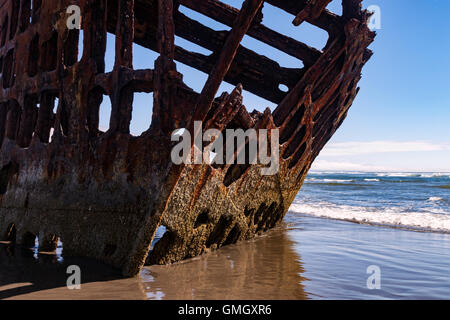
400,119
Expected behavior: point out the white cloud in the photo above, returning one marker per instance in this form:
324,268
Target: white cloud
371,147
385,156
325,165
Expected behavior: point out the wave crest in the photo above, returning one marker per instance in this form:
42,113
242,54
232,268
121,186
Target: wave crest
425,221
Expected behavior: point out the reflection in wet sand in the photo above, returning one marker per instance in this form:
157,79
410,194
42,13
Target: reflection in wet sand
24,274
265,268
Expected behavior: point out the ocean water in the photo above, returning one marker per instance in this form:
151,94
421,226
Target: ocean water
416,201
318,252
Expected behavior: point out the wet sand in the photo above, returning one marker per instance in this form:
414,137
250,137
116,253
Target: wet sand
305,258
242,271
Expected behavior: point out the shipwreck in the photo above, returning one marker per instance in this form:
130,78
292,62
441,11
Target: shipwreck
104,194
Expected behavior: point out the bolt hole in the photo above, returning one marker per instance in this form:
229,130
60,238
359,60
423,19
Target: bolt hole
283,88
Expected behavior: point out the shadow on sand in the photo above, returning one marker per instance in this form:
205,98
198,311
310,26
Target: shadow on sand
26,274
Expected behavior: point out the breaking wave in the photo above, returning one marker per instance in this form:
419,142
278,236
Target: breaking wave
392,217
329,180
417,175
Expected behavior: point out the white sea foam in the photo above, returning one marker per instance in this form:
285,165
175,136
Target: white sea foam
328,180
336,172
414,174
435,199
372,180
439,222
396,174
336,180
434,175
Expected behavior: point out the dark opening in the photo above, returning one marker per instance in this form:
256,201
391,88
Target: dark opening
259,213
71,47
202,219
233,236
54,111
298,155
29,240
3,116
292,147
267,216
219,231
28,120
8,70
36,10
290,128
45,118
14,18
49,243
10,234
50,52
5,176
248,212
25,15
33,56
95,99
235,171
63,114
4,30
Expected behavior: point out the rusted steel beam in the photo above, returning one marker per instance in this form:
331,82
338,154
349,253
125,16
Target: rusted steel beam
166,29
312,10
257,73
122,101
242,24
248,67
327,20
226,14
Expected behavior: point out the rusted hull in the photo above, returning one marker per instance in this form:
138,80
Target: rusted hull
104,194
